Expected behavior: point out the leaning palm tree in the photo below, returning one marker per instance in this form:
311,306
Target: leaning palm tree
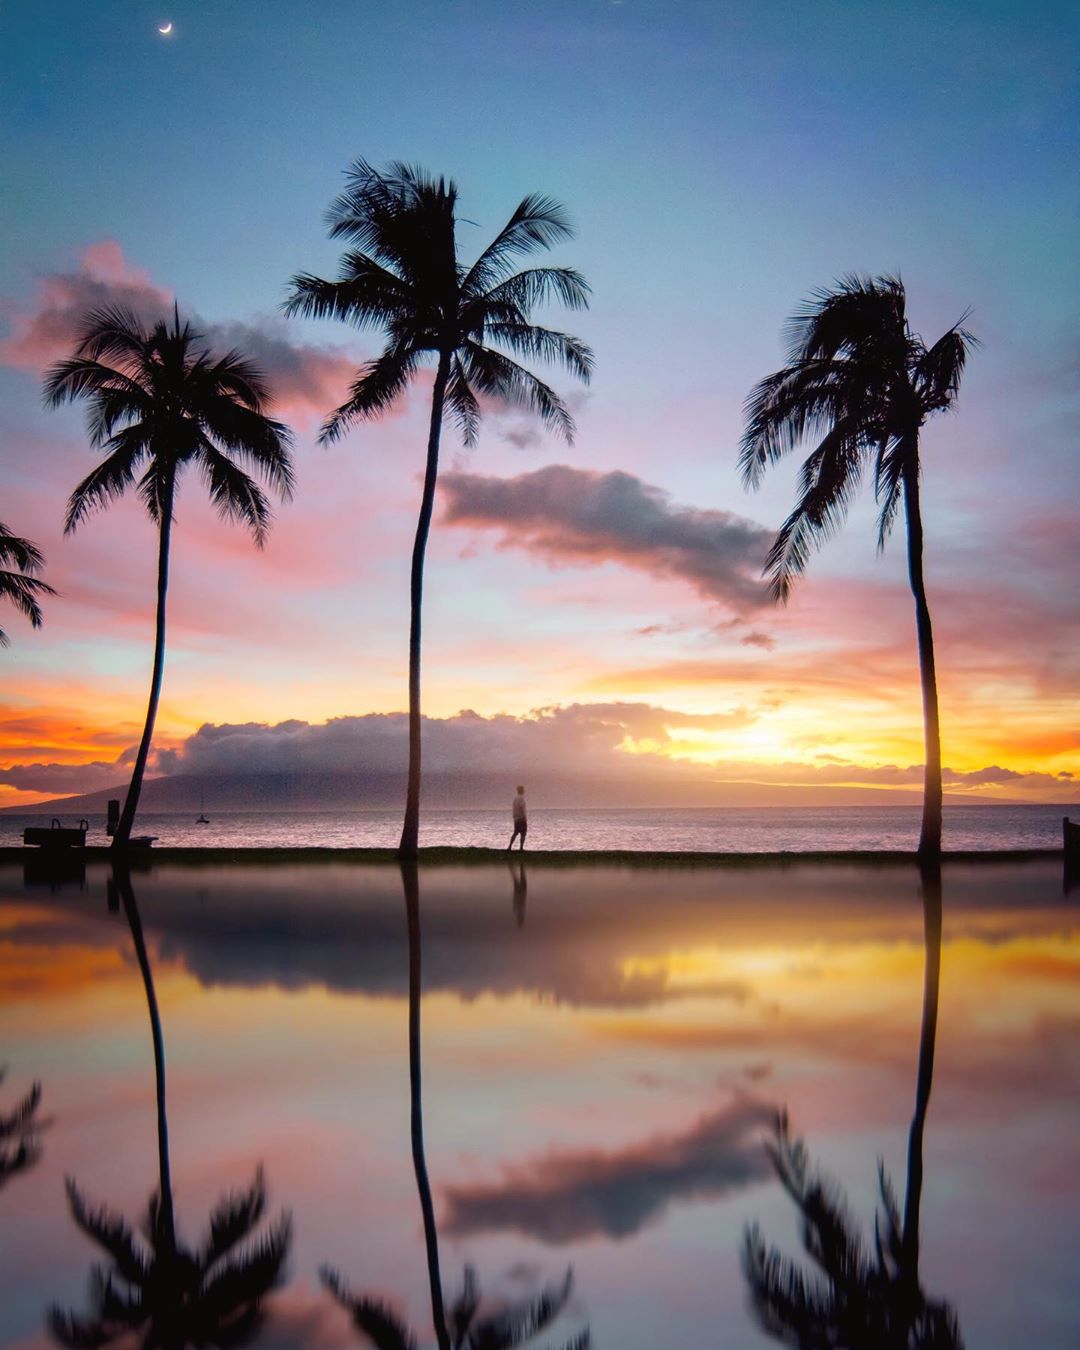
175,1296
403,275
159,402
859,378
20,562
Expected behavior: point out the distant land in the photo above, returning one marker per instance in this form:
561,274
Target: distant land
188,793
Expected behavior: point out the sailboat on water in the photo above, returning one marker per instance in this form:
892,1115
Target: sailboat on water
202,818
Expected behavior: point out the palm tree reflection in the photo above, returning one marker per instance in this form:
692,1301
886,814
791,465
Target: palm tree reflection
176,1296
860,1299
461,1326
20,1130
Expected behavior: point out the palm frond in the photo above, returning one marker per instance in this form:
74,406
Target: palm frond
253,438
496,375
367,293
377,387
110,1232
537,286
939,371
544,344
858,310
232,1219
237,1286
516,1325
462,402
538,222
379,1323
235,494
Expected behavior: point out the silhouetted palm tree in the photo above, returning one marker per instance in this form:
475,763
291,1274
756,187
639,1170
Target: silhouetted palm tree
404,276
505,1329
20,1129
177,1297
859,378
20,562
158,402
866,1300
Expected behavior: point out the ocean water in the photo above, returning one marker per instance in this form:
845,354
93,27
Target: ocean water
668,829
604,1050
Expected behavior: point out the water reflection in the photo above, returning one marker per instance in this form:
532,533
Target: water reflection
20,1134
176,1296
521,891
868,1299
461,1326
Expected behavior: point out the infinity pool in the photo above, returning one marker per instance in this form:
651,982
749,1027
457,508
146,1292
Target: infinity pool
604,1052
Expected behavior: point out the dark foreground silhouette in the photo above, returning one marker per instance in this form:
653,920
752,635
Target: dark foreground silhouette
403,275
857,1298
153,1284
859,377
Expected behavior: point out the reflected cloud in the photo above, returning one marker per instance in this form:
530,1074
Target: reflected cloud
568,1195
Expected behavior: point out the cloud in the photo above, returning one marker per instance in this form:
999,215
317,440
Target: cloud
65,779
567,1195
616,752
575,738
567,516
306,379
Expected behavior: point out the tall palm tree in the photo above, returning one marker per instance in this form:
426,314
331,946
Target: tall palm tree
20,562
176,1296
158,402
859,378
403,276
866,1300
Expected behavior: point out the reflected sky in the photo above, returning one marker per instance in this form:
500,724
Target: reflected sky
600,1067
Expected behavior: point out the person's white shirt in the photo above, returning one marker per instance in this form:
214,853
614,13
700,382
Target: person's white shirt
518,808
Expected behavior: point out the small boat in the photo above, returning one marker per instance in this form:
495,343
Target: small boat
202,820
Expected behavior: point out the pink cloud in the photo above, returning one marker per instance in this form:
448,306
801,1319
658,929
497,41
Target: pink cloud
307,380
578,516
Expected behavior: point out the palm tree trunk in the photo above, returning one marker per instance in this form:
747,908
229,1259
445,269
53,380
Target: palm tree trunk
931,898
122,881
410,830
930,834
131,802
410,880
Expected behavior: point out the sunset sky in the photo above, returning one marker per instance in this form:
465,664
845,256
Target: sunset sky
720,162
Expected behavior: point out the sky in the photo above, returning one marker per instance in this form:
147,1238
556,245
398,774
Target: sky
720,163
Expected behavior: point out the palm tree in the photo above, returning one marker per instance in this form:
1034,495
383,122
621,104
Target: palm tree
867,1301
20,1129
157,403
403,276
212,1295
20,562
859,378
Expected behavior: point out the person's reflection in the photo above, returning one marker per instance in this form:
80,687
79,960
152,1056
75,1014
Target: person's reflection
459,1326
176,1296
20,1134
868,1299
521,891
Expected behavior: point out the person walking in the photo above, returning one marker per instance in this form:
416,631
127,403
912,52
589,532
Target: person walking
521,823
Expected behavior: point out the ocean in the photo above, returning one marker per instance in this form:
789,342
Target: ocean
640,829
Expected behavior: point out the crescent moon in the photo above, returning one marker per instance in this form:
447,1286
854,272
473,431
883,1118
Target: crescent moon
165,29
